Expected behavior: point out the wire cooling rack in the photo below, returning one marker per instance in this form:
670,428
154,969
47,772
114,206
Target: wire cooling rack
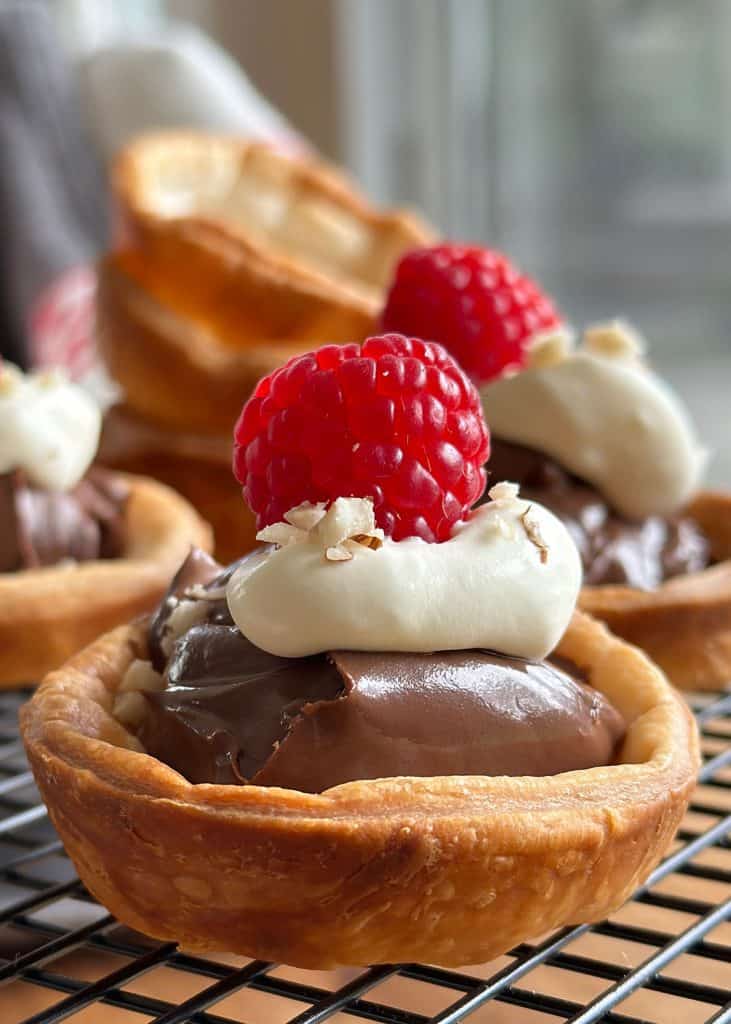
664,958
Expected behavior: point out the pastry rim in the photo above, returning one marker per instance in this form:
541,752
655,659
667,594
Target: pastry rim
68,606
306,175
577,843
685,623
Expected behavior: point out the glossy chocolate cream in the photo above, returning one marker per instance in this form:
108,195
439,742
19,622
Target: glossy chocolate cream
613,550
40,528
232,713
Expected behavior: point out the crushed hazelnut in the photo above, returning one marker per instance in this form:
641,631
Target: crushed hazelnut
504,493
129,704
338,554
346,518
534,535
281,534
345,525
368,540
548,349
184,615
615,339
306,516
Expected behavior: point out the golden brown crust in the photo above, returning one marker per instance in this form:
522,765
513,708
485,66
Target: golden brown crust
444,870
171,368
198,467
303,219
47,615
233,257
685,624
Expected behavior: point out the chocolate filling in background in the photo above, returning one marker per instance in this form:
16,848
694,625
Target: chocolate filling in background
231,713
613,549
40,528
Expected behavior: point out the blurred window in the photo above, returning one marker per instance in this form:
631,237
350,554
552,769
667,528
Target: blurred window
589,138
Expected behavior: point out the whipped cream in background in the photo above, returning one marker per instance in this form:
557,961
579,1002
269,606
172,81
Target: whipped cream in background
49,427
507,580
605,416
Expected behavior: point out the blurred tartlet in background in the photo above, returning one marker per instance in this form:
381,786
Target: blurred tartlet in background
81,548
230,257
589,429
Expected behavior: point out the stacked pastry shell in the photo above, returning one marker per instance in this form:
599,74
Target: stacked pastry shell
230,257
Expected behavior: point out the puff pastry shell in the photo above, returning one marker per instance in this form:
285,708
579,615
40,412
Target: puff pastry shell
443,870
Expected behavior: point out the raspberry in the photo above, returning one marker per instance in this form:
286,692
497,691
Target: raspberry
394,419
473,301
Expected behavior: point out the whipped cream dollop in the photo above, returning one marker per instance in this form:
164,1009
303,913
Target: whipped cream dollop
507,580
605,416
49,427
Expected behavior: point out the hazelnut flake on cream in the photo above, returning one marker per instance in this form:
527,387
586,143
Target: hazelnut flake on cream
533,533
615,340
339,530
549,348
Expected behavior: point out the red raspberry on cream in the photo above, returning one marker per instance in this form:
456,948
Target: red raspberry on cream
473,301
394,419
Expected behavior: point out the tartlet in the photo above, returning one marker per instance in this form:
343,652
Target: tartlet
83,549
48,614
447,870
231,256
685,623
593,433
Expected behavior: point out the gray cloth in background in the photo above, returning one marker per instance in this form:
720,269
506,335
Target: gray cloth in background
53,211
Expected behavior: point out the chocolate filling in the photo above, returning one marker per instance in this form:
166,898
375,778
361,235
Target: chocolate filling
39,528
232,713
613,549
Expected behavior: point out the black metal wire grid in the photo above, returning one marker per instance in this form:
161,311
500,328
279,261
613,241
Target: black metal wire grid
665,957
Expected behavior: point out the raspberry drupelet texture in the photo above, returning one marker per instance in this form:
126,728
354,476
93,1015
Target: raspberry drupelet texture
394,419
473,301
